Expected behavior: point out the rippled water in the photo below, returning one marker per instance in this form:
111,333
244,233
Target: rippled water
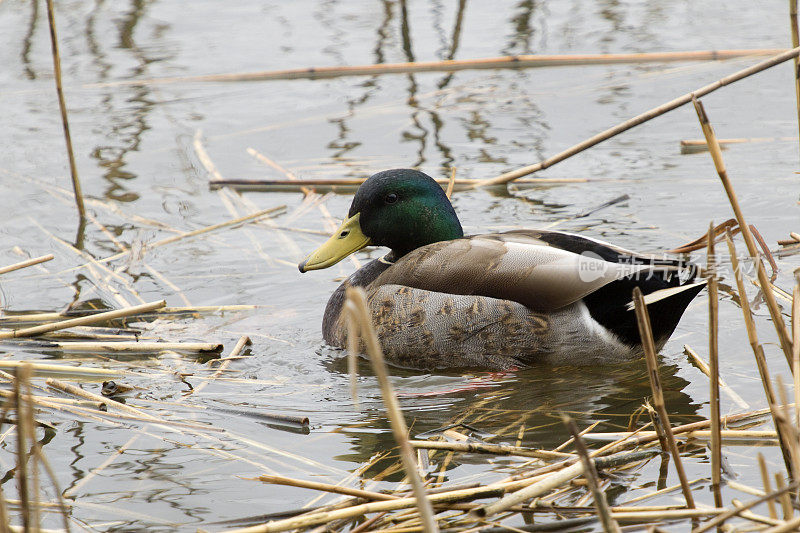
137,153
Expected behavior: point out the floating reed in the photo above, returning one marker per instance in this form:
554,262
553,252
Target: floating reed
327,487
693,146
82,321
62,105
243,342
40,369
346,185
494,449
640,119
22,316
200,231
515,62
136,347
705,369
644,437
26,263
730,513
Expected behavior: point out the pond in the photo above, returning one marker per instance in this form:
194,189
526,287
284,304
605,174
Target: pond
146,155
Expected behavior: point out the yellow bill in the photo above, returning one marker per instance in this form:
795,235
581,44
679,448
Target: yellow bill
347,239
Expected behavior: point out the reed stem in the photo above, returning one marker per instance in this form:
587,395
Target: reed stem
764,281
713,356
648,344
358,312
82,321
609,524
795,44
758,353
762,466
62,104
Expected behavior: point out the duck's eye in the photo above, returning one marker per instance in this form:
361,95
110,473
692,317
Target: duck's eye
344,234
390,198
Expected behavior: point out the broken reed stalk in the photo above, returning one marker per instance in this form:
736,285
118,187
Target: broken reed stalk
644,436
705,369
26,263
796,351
533,490
25,418
762,466
23,374
790,525
658,427
352,359
648,344
80,393
763,279
18,316
358,313
199,231
786,504
62,104
692,146
326,487
82,321
795,44
713,357
451,183
241,344
640,119
730,513
137,347
70,492
758,353
790,430
590,473
495,449
70,370
515,62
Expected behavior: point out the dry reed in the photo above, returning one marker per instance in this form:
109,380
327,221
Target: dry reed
27,263
515,62
62,105
713,357
358,314
646,335
640,119
719,164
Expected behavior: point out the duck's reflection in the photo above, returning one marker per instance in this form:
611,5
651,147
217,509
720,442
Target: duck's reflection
522,407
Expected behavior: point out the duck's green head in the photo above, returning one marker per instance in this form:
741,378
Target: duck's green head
402,209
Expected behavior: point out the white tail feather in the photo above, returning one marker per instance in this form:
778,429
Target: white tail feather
657,296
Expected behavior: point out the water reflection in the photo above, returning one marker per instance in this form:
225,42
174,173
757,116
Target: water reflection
532,400
128,124
522,29
25,53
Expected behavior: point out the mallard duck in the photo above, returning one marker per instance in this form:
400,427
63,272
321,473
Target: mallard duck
494,301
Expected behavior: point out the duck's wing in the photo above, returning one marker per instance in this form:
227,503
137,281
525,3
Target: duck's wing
579,244
517,266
